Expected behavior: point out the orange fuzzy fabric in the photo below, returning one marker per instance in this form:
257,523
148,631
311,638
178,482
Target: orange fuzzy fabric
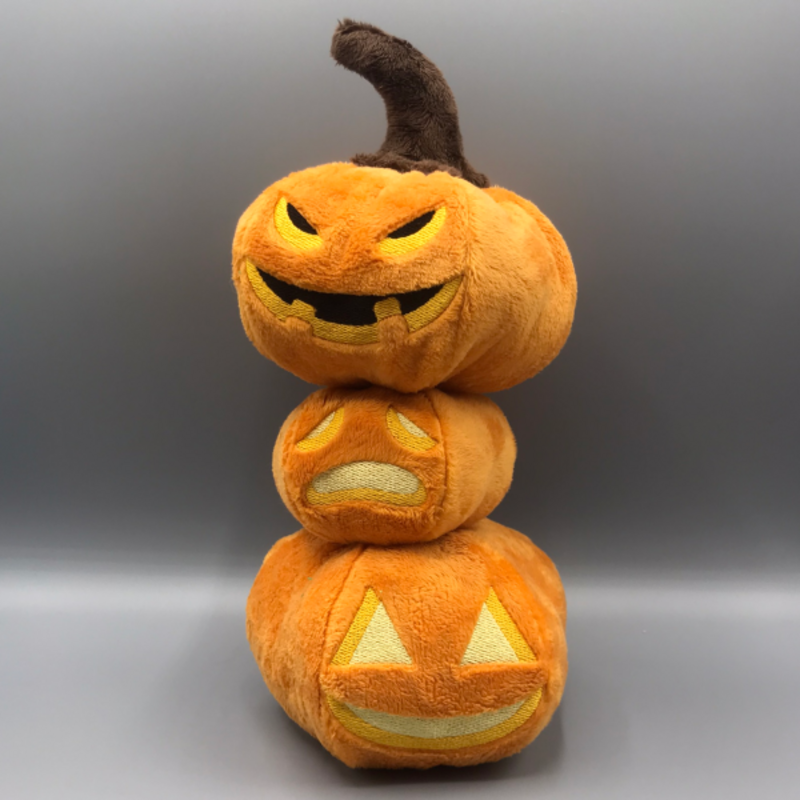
463,466
308,599
508,319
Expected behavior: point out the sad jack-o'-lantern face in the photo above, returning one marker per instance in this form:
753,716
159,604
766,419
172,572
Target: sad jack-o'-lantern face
437,653
404,270
378,466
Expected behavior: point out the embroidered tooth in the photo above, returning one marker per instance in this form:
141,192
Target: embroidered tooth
387,307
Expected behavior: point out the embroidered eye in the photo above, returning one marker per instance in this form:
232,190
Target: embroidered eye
372,638
322,433
412,227
414,234
294,227
299,220
406,432
495,638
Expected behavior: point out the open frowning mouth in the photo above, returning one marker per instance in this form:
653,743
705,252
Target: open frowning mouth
350,318
371,481
441,733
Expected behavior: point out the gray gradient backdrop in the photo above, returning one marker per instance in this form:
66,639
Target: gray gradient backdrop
137,422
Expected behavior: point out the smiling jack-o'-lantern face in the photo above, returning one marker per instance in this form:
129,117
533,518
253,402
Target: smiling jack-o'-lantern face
438,653
382,467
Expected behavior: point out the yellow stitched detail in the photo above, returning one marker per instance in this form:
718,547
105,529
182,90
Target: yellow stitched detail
365,730
398,247
427,313
488,644
380,643
332,331
406,432
372,481
264,293
365,495
388,307
509,629
290,232
350,334
367,475
323,433
356,630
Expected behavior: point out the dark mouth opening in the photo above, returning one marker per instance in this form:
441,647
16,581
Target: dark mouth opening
346,309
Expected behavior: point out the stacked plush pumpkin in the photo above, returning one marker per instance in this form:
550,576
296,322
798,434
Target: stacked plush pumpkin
401,627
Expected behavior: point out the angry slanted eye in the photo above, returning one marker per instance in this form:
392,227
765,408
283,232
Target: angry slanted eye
414,234
412,227
294,228
299,220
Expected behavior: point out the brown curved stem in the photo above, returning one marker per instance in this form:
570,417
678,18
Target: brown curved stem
421,113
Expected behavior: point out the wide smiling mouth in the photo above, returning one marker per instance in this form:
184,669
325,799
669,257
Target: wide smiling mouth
434,733
350,318
370,481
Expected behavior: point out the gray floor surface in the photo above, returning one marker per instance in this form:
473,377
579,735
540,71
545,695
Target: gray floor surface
120,686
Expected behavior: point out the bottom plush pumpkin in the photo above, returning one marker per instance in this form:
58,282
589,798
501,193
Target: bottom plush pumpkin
447,652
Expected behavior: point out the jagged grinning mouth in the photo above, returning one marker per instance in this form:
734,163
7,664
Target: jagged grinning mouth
350,318
444,733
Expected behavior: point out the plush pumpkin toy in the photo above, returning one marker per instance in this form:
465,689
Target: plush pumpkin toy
377,466
401,627
448,652
404,269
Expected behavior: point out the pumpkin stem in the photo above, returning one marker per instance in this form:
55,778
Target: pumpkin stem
421,113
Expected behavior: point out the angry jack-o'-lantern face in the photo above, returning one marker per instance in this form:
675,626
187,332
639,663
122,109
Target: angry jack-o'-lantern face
348,274
378,466
438,653
404,270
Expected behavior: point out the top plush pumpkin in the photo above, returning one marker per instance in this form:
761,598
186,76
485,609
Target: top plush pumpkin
404,269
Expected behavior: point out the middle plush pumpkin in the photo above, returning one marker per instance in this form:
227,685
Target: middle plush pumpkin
377,466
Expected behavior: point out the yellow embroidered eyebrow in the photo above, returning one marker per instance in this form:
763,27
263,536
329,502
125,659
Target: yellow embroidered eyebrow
294,228
322,433
413,234
406,432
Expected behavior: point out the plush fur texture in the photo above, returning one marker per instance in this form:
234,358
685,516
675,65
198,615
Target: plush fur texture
508,319
464,471
423,132
307,599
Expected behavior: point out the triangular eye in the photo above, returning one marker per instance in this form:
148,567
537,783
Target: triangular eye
371,638
496,639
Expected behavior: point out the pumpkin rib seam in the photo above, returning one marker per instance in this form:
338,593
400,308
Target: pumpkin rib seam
321,697
442,504
458,368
